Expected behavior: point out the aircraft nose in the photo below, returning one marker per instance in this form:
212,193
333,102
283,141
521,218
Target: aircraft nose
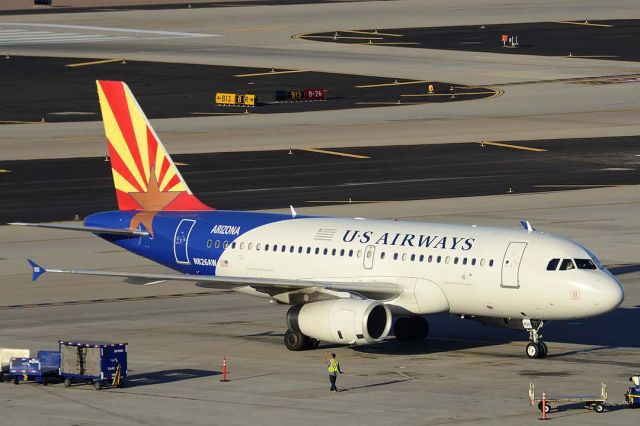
610,294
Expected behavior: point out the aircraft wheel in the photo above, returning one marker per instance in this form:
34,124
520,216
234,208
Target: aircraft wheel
544,350
295,341
533,350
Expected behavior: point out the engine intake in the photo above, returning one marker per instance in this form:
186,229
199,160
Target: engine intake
346,321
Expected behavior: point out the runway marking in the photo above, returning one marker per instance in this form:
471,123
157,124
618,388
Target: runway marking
589,56
371,33
344,37
270,73
18,122
447,94
345,201
341,154
219,113
239,30
399,43
395,83
506,145
391,103
177,163
102,61
587,24
111,29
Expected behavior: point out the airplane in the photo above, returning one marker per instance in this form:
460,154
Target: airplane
349,281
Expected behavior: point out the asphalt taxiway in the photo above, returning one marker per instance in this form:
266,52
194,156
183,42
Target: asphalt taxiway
178,334
60,189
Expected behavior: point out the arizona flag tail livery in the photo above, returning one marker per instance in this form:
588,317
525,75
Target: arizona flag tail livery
144,176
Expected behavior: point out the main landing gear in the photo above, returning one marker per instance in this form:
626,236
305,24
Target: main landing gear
536,348
411,329
296,341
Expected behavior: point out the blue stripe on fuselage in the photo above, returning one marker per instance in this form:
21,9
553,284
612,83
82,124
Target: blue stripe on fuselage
225,226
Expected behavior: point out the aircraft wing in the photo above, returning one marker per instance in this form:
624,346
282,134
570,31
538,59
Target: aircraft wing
94,229
378,290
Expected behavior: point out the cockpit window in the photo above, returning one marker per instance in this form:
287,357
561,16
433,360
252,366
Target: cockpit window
553,264
566,265
585,264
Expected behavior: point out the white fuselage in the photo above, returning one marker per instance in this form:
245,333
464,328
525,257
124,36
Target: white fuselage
467,270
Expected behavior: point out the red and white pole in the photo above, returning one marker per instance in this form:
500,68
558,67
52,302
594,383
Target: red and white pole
544,405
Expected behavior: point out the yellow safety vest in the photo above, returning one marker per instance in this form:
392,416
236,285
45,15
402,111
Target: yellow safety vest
333,366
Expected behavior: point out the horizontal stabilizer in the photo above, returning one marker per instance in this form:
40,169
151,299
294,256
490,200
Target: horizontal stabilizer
380,290
94,229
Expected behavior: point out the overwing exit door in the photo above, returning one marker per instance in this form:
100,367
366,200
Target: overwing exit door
181,241
511,265
369,254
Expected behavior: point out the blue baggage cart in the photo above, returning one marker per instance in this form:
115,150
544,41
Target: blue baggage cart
97,363
40,370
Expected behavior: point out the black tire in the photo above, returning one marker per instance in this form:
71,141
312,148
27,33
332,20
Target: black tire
533,350
296,341
402,329
1,377
16,381
598,408
45,381
97,384
314,343
67,382
420,328
121,384
544,350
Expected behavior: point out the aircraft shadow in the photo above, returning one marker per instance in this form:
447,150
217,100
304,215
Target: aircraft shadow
167,376
628,268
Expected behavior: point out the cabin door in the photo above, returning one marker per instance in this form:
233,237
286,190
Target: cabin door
369,254
181,241
511,265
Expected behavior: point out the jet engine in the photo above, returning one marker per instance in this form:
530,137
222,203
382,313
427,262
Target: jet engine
345,321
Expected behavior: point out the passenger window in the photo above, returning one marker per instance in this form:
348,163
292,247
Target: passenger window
291,249
250,246
325,251
566,265
266,247
284,248
455,260
241,246
382,255
481,262
342,252
333,252
350,253
300,250
464,261
553,264
404,256
275,247
430,258
317,250
308,250
217,244
359,254
446,260
585,264
491,262
438,259
413,257
226,244
208,243
395,256
369,254
233,245
421,257
473,262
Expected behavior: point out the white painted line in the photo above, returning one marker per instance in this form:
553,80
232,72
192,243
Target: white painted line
26,34
63,40
112,29
41,36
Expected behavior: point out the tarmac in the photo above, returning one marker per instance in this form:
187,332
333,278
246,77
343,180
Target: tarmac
178,334
465,373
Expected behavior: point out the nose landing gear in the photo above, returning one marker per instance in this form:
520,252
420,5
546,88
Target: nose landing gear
537,348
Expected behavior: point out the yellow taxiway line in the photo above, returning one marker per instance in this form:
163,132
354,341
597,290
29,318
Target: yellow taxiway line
422,95
392,43
341,154
371,33
366,86
580,186
586,24
219,113
5,171
240,30
334,37
84,64
270,73
506,145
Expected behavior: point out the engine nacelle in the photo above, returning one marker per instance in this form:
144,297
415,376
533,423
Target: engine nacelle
345,321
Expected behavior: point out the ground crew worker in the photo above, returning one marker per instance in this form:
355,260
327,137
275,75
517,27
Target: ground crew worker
334,369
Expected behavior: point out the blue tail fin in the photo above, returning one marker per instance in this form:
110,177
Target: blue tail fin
37,270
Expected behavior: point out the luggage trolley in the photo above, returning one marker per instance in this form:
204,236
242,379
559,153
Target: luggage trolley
96,363
592,402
